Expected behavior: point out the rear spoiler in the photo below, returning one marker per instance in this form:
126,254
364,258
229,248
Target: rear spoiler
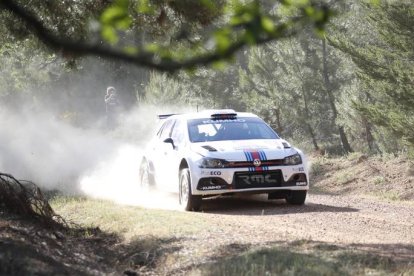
164,116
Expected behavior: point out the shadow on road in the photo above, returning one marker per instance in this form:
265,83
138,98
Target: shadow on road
260,205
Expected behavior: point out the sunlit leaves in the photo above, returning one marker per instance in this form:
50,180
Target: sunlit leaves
245,22
117,15
185,33
296,2
145,7
152,47
109,34
131,50
245,14
318,14
223,39
219,65
208,4
267,24
115,18
375,2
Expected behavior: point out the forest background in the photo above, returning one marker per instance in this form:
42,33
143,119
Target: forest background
343,87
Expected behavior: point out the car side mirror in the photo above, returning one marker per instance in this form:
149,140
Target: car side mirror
170,141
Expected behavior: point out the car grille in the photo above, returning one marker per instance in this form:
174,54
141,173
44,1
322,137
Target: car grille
263,179
247,164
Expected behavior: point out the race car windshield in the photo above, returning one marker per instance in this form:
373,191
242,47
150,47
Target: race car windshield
203,130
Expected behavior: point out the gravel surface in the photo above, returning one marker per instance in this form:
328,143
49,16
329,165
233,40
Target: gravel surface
324,218
348,221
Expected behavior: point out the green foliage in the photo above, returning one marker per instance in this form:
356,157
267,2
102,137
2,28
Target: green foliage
365,85
20,67
114,18
232,24
165,91
283,82
145,7
384,57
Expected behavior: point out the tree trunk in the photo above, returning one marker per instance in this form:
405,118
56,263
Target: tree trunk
308,125
306,108
345,144
279,127
373,148
313,137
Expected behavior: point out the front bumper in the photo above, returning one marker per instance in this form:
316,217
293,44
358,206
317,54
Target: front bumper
230,180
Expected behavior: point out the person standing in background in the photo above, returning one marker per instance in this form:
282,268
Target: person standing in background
112,106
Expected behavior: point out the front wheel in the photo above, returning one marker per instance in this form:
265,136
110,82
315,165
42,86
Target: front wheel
296,197
188,201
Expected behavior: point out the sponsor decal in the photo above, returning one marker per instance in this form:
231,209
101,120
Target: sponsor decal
223,121
258,179
206,188
256,157
257,162
211,173
241,146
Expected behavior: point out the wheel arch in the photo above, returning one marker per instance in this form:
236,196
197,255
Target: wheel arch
183,165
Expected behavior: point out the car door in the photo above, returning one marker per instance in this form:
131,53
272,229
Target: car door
171,155
160,151
175,153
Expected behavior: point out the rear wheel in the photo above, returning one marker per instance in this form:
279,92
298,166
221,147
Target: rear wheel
147,179
188,201
296,197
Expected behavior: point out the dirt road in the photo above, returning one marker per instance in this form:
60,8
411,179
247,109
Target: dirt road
324,218
386,228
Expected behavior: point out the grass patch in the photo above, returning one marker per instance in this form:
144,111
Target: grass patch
344,177
273,261
354,156
379,180
128,221
388,195
307,259
317,168
363,263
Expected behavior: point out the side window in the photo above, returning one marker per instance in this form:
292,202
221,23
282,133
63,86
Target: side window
166,129
160,128
178,132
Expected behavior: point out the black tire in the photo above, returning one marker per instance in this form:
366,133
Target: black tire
146,178
187,200
296,197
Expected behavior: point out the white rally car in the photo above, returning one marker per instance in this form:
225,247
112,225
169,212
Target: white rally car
220,152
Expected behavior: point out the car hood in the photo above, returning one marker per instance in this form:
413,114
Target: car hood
237,149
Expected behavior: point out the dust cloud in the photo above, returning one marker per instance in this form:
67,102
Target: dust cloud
91,161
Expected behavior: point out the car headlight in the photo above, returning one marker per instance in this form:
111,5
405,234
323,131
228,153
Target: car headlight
293,160
213,163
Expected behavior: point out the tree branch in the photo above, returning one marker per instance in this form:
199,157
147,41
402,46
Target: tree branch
142,58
